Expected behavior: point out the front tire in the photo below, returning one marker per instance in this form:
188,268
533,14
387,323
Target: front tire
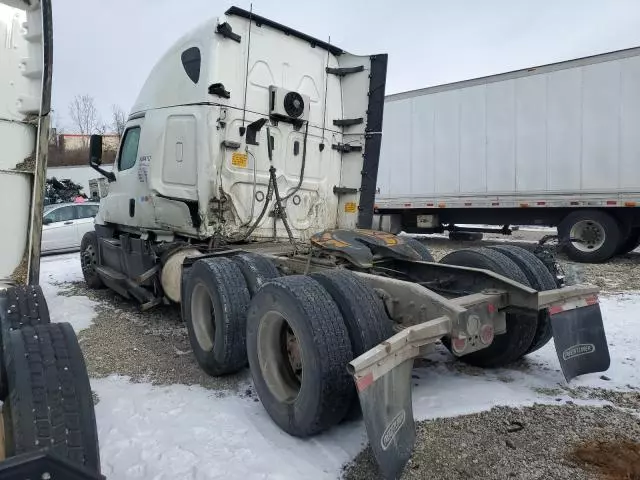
89,260
590,236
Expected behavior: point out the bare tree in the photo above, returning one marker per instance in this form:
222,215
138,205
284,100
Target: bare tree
118,120
55,128
84,115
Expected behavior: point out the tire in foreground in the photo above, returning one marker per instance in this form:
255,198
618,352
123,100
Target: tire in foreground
298,349
22,306
50,406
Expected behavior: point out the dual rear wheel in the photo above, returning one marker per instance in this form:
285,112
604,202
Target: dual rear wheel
298,333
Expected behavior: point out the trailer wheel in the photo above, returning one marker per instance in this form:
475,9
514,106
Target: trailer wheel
298,349
256,270
541,279
23,306
590,236
89,260
630,243
521,329
50,405
420,248
214,307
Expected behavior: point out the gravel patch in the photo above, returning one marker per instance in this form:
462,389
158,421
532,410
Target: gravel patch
529,443
150,346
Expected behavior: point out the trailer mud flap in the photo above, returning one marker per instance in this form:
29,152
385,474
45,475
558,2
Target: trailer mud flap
388,416
581,343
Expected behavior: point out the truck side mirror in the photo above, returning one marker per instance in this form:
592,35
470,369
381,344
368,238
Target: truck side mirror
95,157
95,149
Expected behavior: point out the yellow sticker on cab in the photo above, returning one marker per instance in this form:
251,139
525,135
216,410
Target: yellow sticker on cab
239,160
350,207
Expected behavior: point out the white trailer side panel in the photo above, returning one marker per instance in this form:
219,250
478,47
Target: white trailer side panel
569,129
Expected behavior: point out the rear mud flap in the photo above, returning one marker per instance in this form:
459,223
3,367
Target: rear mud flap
581,343
388,416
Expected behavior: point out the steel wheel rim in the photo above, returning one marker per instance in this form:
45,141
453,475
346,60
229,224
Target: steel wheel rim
89,258
202,317
280,357
587,236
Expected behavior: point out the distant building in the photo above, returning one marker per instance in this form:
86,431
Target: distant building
71,149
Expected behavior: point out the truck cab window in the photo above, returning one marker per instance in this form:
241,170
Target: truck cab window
129,150
191,61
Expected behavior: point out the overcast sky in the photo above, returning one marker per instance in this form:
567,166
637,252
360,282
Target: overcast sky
106,48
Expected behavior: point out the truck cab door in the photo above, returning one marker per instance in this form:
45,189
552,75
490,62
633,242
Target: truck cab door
130,187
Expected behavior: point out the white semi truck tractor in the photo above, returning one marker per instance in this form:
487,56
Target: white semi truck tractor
244,190
48,425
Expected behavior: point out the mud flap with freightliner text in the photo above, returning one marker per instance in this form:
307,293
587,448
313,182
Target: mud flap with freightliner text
578,333
388,415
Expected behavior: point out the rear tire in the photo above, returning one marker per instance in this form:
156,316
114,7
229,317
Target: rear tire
631,242
89,260
420,248
50,405
515,342
363,313
214,307
541,279
600,233
298,349
23,306
256,269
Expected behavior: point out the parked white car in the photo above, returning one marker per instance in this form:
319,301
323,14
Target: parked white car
64,224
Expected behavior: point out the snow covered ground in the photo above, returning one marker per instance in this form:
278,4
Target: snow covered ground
180,432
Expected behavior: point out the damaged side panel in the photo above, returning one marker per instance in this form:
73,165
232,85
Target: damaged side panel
25,94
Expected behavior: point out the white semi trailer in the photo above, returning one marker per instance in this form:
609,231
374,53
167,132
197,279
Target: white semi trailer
555,145
243,190
48,425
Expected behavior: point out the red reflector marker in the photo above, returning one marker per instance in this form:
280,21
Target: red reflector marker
365,382
458,344
486,334
555,309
